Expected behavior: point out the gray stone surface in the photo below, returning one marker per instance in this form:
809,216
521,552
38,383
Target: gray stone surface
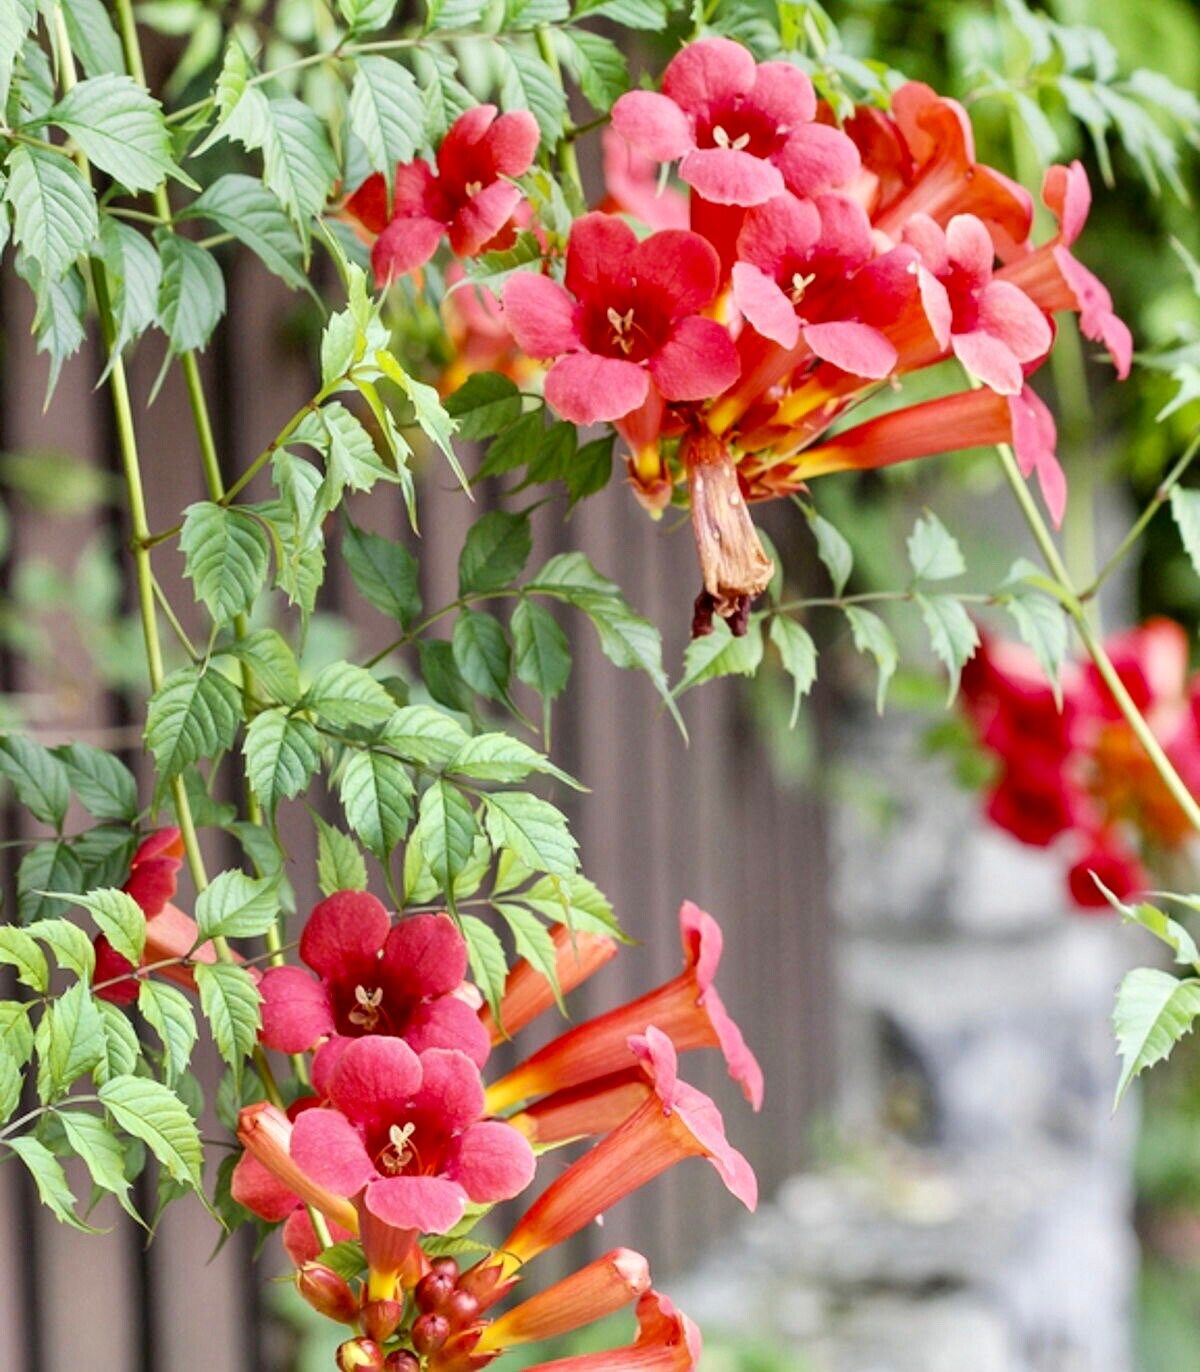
975,1215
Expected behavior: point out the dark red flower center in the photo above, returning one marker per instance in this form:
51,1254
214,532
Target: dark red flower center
365,1004
625,323
412,1146
740,128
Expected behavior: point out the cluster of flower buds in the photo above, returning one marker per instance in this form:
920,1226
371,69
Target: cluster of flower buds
810,265
400,1140
1073,773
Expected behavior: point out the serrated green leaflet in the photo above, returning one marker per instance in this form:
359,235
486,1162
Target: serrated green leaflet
376,794
148,1111
282,753
234,905
194,714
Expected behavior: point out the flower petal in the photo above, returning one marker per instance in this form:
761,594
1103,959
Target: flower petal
344,930
764,304
783,93
429,1205
375,1077
328,1149
680,265
451,1090
457,157
970,248
697,362
854,347
296,1010
818,158
654,124
728,176
1068,196
541,315
512,143
1034,440
482,217
714,70
598,252
368,205
491,1161
587,389
1008,313
152,871
990,360
782,228
406,244
260,1191
424,956
448,1022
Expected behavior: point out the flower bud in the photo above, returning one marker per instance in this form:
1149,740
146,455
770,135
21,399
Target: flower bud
402,1361
328,1293
381,1319
434,1290
448,1265
429,1333
461,1309
359,1355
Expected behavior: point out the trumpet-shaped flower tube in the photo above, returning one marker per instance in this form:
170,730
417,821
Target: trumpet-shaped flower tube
594,1292
1052,277
527,992
675,1123
688,1009
667,1341
970,419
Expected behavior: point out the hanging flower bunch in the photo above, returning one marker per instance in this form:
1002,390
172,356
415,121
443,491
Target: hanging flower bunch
1072,773
819,263
401,1141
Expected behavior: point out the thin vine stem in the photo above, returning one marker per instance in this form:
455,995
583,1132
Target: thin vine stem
1157,501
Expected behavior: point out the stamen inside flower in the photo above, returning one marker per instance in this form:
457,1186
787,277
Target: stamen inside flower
723,140
800,283
622,325
397,1155
366,1015
472,188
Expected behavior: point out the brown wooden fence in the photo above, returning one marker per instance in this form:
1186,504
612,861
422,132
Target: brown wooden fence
663,821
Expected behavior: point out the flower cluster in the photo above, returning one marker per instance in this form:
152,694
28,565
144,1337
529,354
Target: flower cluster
399,1141
818,263
1075,773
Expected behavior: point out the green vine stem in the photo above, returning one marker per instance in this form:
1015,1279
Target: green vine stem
1091,641
1157,501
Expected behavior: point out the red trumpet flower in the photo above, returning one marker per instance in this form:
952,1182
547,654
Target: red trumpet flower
687,1009
744,130
1055,280
170,933
468,199
371,978
674,1123
528,994
626,331
667,1341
